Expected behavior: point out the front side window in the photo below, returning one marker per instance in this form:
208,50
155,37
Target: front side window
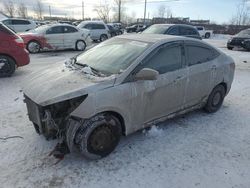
55,30
7,22
88,26
165,59
199,54
20,22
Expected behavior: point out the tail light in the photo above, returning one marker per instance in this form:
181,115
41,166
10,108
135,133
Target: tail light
19,42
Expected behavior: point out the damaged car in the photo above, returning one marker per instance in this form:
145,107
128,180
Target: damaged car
123,85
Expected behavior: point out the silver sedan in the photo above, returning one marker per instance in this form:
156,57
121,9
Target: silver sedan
123,85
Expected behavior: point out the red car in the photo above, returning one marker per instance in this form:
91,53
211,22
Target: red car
12,52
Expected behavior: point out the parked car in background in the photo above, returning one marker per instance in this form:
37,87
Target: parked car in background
19,25
204,33
114,31
242,39
55,37
12,52
118,28
99,31
133,28
173,29
157,75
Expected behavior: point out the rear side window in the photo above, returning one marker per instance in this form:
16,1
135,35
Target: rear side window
98,26
55,30
199,54
188,31
4,29
20,22
68,29
165,59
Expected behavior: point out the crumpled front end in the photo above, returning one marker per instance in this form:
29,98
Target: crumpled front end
51,120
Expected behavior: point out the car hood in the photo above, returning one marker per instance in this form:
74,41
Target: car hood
58,83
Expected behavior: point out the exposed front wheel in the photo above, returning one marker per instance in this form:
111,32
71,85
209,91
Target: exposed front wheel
33,47
98,136
215,99
207,35
80,45
7,66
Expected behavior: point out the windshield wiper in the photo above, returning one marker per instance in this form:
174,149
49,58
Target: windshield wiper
95,71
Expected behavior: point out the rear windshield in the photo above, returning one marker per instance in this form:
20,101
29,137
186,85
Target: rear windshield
7,30
156,29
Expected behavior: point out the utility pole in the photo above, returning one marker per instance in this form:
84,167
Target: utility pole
83,10
145,12
119,11
49,12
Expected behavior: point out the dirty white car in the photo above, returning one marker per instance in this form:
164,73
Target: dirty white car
123,85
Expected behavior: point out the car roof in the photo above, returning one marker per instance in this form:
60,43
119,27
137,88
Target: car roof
184,25
153,38
94,21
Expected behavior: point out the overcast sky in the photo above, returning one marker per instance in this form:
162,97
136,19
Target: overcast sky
217,10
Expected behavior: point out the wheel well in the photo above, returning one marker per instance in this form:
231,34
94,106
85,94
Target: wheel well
117,115
9,57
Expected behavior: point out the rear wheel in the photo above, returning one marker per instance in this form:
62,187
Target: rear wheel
33,47
207,35
98,136
80,45
7,66
103,38
230,48
215,99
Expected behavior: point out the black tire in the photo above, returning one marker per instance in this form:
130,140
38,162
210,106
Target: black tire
103,37
230,48
7,66
215,99
207,35
98,137
80,45
33,47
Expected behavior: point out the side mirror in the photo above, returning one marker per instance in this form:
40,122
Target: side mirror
147,74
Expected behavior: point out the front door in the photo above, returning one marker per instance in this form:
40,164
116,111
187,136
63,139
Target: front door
55,37
164,96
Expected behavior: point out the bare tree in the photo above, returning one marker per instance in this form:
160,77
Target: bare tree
164,11
9,8
38,9
22,10
242,15
103,11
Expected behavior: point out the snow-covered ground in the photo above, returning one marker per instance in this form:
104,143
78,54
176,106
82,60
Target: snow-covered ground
195,150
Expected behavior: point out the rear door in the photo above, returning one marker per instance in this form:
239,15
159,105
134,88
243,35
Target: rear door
71,35
54,37
201,69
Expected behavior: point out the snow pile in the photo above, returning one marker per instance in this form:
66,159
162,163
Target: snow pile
154,131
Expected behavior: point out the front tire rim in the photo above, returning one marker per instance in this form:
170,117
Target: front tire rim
216,99
102,139
33,47
4,66
80,45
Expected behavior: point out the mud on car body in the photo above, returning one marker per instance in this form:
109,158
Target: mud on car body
95,98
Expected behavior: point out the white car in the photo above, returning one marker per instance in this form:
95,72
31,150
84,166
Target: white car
204,33
98,30
55,37
19,25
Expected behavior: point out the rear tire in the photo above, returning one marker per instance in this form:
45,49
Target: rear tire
98,136
207,35
230,48
33,47
215,99
7,66
103,37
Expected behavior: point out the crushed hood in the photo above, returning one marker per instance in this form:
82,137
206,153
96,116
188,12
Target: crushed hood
56,83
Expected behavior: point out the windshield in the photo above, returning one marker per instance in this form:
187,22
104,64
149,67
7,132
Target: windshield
113,56
156,29
244,33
